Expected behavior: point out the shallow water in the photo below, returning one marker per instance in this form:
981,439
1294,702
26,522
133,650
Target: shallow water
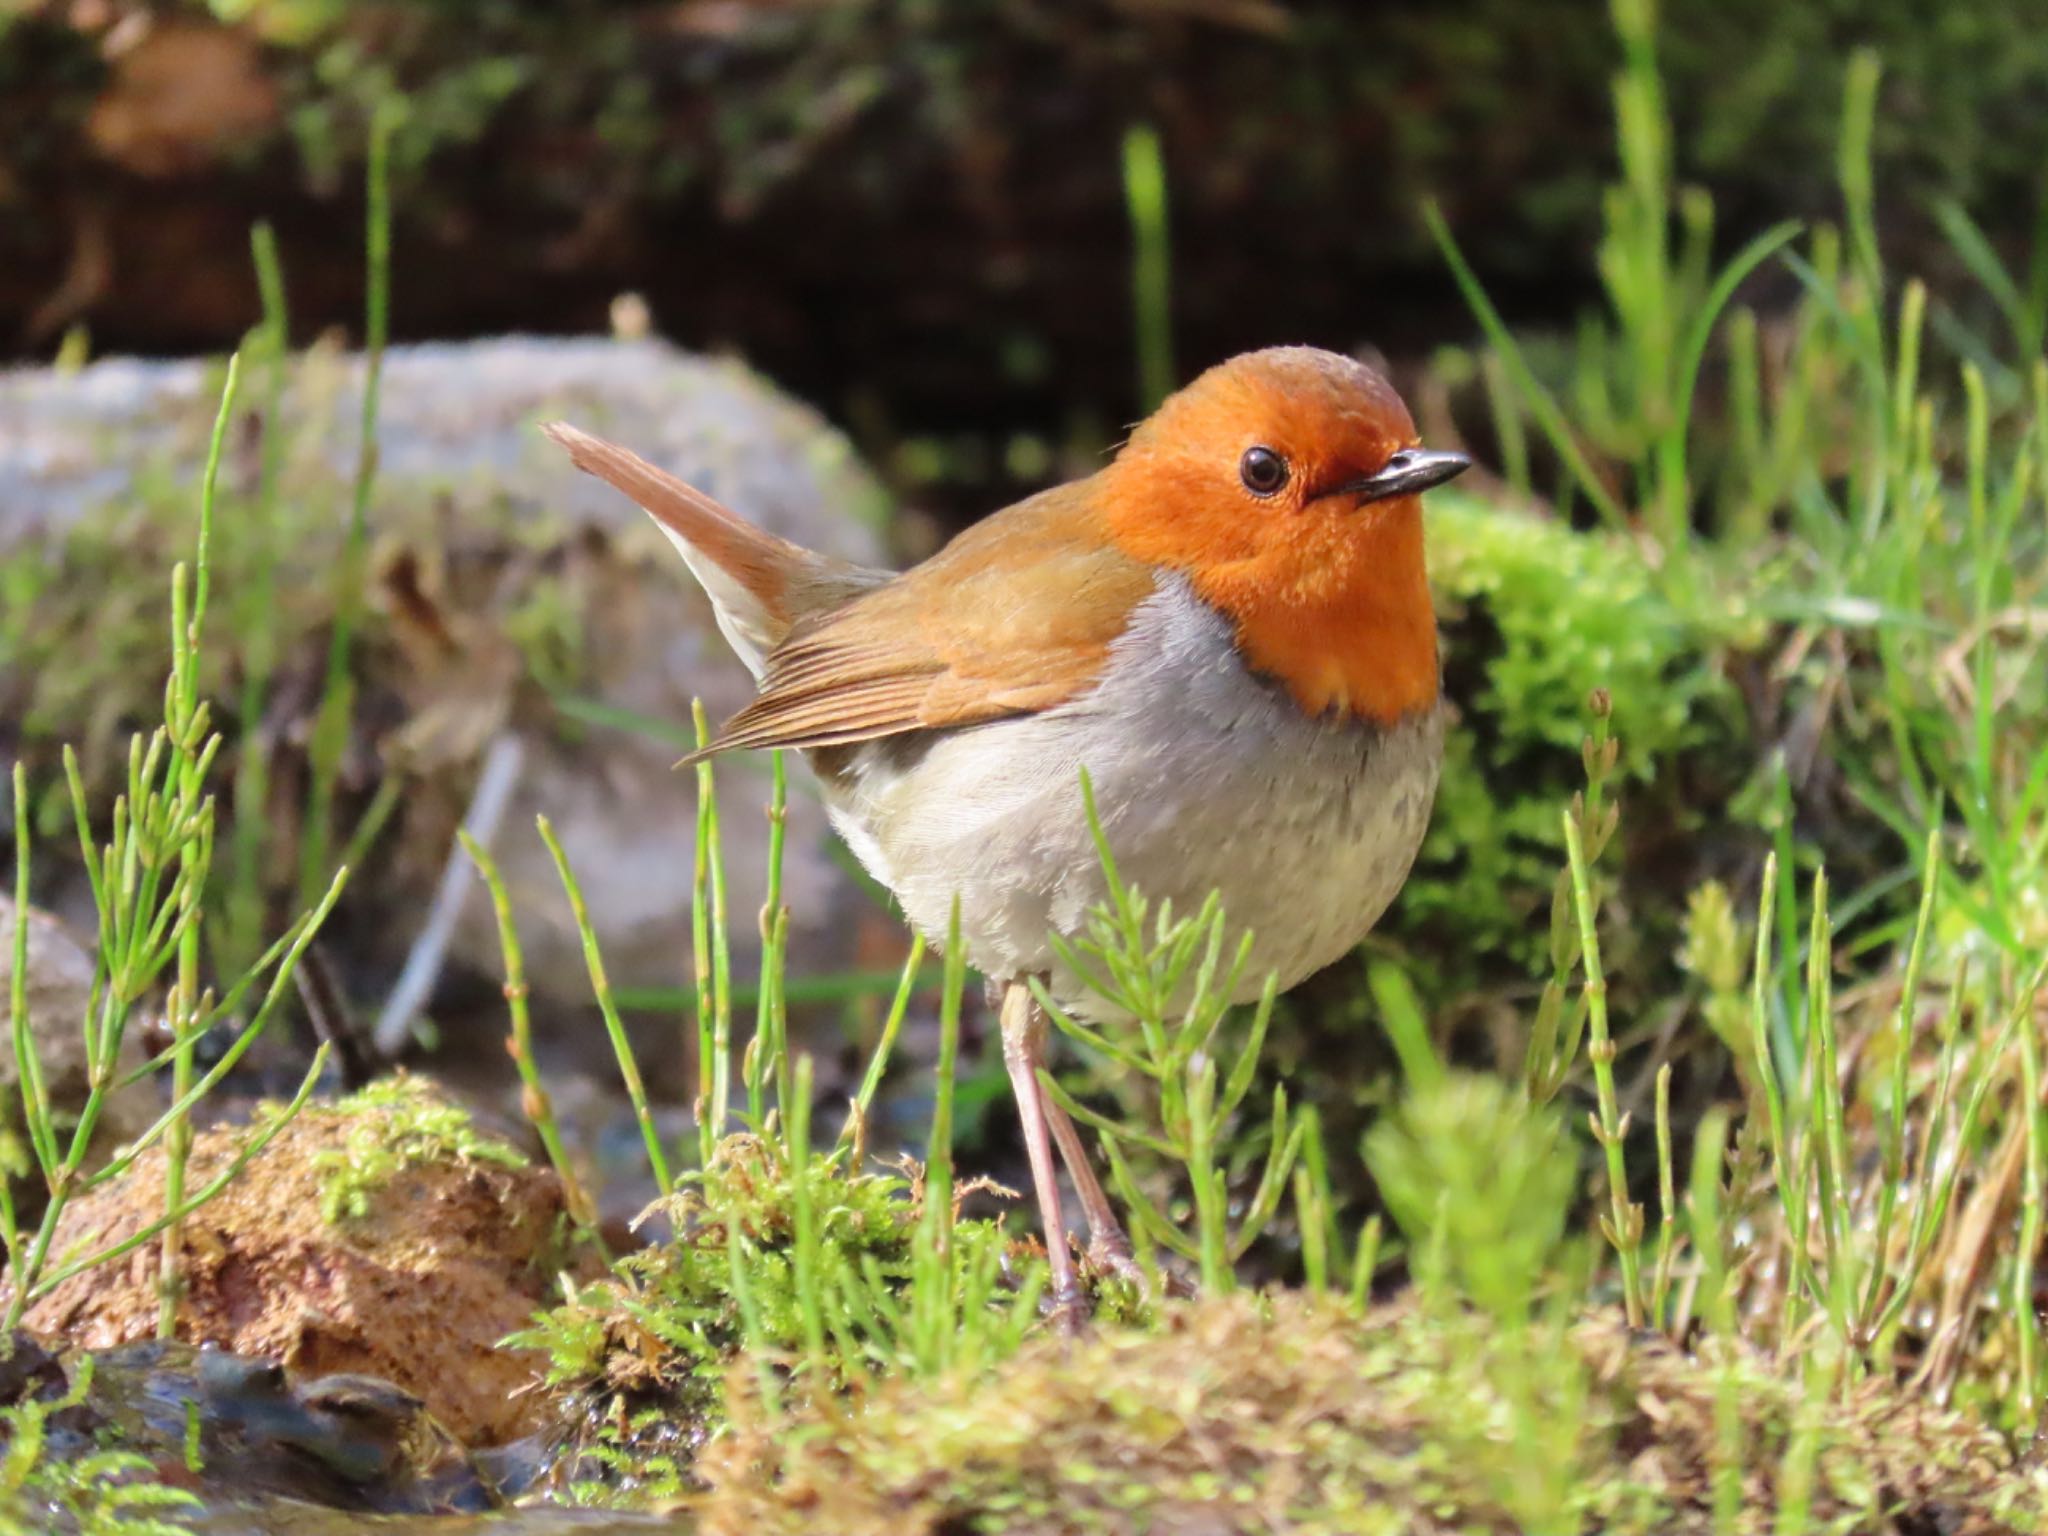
312,1458
293,1519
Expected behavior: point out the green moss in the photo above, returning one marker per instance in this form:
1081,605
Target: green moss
643,1354
1571,611
1307,1417
1537,615
399,1122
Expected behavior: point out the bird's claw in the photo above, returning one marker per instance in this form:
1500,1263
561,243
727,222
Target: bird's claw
1111,1255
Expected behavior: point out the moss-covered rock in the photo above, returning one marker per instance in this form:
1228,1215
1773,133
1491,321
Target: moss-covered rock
409,1263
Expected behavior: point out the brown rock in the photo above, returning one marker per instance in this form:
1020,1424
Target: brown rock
449,1255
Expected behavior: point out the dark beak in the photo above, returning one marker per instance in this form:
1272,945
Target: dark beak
1407,472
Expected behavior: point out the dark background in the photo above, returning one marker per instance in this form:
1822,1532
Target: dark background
912,213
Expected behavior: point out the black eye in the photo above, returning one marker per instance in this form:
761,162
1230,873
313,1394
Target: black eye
1262,470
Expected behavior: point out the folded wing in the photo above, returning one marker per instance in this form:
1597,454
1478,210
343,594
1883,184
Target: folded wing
1015,616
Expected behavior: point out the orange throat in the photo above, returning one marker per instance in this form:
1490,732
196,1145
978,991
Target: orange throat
1340,616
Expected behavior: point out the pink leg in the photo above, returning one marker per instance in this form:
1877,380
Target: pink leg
1108,1247
1023,1052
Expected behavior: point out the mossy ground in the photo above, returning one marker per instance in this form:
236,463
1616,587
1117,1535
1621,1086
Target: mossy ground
1288,1413
638,1361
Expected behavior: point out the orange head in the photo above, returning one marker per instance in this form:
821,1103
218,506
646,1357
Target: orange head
1285,484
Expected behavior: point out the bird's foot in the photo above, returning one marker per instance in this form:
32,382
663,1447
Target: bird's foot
1070,1310
1109,1253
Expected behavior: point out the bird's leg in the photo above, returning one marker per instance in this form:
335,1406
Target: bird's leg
1023,1052
1108,1247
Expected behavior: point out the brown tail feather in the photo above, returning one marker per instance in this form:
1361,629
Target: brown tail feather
763,565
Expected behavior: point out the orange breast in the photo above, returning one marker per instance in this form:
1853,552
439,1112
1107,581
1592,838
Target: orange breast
1334,605
1344,619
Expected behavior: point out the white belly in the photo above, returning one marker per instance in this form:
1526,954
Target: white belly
1206,778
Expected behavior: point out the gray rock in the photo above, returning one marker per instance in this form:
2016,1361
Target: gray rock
457,419
461,463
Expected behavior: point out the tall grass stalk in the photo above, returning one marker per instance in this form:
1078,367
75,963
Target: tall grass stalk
706,1044
768,1056
1667,1226
35,1094
1623,1225
149,882
1510,430
29,1084
2027,1390
1717,1307
806,1259
256,602
535,1101
1554,1037
183,716
1823,1111
885,1046
1894,1129
931,1324
713,952
1365,1257
1540,403
615,1027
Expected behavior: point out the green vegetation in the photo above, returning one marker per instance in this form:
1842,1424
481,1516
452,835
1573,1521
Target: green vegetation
149,884
1151,264
1831,570
98,1492
399,1122
1741,864
1308,1415
337,696
818,1274
1836,539
1173,977
1518,664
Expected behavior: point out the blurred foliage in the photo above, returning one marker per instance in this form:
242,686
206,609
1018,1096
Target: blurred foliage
1481,1181
94,1490
1292,1412
1536,614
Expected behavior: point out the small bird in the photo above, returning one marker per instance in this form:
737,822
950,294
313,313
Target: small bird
1228,627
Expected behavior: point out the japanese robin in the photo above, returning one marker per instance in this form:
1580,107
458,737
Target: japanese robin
1228,626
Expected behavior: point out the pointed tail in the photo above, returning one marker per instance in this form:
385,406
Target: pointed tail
759,585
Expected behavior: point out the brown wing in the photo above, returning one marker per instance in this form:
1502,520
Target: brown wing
1014,616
